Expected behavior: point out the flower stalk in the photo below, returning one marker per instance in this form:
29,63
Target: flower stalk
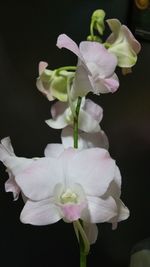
75,133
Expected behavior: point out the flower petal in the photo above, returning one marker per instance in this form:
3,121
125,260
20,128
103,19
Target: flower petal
87,123
64,41
53,150
91,231
93,169
38,181
11,186
42,66
100,210
94,52
94,110
40,213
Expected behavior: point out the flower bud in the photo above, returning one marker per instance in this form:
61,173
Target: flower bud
98,20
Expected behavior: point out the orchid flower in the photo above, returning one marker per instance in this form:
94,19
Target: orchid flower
89,117
53,84
122,43
95,69
65,186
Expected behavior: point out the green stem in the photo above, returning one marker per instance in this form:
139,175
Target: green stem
75,133
91,29
73,68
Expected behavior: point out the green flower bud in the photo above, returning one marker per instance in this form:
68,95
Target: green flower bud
95,38
98,20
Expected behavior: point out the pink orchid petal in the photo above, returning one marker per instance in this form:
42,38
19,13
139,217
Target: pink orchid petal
82,84
11,186
94,110
94,52
42,66
100,210
93,169
64,41
111,84
38,180
72,212
87,123
40,213
53,150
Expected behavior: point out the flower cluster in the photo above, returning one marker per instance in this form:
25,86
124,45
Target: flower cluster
77,180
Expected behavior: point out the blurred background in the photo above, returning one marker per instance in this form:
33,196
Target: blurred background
28,34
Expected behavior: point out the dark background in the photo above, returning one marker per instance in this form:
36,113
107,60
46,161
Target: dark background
28,33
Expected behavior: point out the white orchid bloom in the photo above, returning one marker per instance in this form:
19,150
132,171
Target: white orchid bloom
89,117
95,69
123,44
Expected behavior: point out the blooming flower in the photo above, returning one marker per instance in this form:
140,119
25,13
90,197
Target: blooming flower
95,69
123,44
52,84
89,117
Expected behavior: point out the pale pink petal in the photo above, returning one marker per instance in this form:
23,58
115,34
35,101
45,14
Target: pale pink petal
11,186
82,84
53,150
38,181
106,85
87,123
58,108
93,52
71,212
42,66
100,210
98,139
93,169
40,213
64,41
91,231
94,110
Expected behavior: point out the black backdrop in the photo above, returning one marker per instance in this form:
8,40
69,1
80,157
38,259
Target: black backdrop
28,33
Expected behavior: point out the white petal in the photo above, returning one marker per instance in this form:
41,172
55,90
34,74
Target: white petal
6,143
100,210
11,186
59,123
53,150
87,123
40,213
91,231
38,181
93,169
